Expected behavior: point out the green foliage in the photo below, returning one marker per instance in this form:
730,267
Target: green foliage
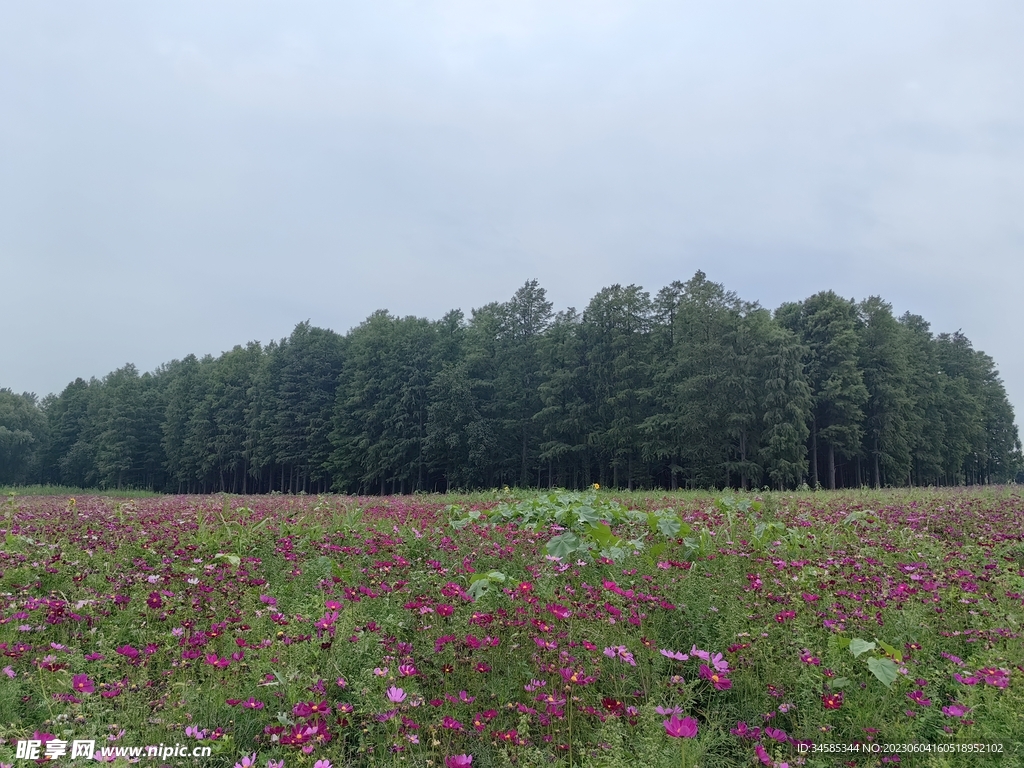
691,387
586,522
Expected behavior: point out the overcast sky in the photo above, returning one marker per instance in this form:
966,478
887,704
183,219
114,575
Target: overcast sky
182,177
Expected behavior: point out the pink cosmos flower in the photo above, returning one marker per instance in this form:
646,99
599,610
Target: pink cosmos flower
248,761
83,684
681,727
396,695
620,652
719,681
559,611
322,764
955,710
674,655
919,698
458,761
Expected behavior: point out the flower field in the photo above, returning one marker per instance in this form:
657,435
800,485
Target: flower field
513,629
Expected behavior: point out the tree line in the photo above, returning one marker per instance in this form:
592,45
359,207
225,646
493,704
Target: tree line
692,387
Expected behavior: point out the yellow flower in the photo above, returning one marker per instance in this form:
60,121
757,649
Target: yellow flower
596,486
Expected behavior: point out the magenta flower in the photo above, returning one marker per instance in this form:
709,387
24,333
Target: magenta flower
83,684
451,723
458,761
396,695
681,727
322,764
559,611
719,681
1000,678
955,710
248,761
620,652
919,698
674,655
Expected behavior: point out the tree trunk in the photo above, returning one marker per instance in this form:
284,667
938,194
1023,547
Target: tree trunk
878,476
831,467
814,453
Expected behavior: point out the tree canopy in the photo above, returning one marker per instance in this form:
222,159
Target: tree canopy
692,387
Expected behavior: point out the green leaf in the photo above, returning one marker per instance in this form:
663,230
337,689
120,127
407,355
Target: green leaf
858,646
563,545
602,534
614,553
843,642
884,669
587,515
839,682
890,651
478,586
233,559
669,525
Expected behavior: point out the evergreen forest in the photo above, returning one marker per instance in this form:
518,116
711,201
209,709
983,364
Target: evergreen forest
689,388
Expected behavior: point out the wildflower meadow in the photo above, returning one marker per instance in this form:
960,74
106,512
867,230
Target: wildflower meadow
862,628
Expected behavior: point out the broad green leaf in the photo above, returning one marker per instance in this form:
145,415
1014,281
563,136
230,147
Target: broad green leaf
615,553
858,646
884,669
587,515
563,545
602,534
839,682
890,651
669,525
478,588
233,559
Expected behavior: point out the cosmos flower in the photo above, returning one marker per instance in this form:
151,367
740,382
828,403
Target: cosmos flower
82,684
396,695
680,727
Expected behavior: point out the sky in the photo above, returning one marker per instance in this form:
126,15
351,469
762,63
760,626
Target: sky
183,177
